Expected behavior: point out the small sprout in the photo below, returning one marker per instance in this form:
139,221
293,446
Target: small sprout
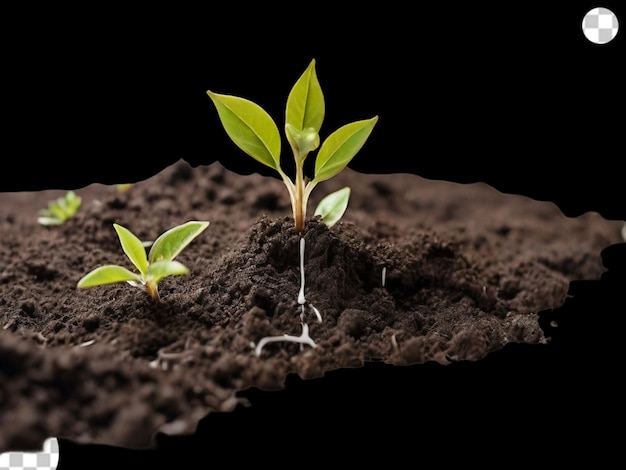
254,131
60,209
154,265
332,207
122,187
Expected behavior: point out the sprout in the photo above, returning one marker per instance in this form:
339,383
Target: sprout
152,266
123,187
60,209
254,131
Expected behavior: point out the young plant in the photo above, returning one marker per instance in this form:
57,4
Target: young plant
122,187
254,131
60,209
152,266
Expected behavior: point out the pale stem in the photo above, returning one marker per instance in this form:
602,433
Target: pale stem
307,192
300,207
153,290
291,189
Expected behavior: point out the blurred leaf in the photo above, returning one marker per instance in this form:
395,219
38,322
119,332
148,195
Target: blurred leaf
60,209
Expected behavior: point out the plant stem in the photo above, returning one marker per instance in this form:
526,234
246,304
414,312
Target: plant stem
291,188
153,290
300,210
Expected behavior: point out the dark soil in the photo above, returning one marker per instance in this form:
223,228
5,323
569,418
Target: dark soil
468,270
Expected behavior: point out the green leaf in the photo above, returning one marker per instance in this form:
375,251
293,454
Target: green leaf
57,210
172,242
333,206
107,274
133,247
66,206
305,103
340,147
73,201
160,269
250,127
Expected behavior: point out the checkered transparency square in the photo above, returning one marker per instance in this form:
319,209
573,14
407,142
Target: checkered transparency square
46,460
606,21
29,460
591,21
600,25
16,459
605,35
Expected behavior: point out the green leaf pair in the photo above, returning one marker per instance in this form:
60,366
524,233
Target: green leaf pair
152,266
254,131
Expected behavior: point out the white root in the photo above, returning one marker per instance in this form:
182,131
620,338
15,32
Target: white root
317,314
301,299
164,358
303,339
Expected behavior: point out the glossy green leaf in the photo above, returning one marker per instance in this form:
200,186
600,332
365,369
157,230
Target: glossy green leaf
173,241
332,207
340,147
250,127
133,247
107,274
160,269
305,103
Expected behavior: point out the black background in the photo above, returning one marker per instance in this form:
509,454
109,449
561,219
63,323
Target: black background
508,93
513,95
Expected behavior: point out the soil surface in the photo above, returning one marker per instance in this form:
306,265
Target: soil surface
417,272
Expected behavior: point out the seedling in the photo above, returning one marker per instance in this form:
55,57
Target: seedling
154,265
123,187
60,209
254,131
